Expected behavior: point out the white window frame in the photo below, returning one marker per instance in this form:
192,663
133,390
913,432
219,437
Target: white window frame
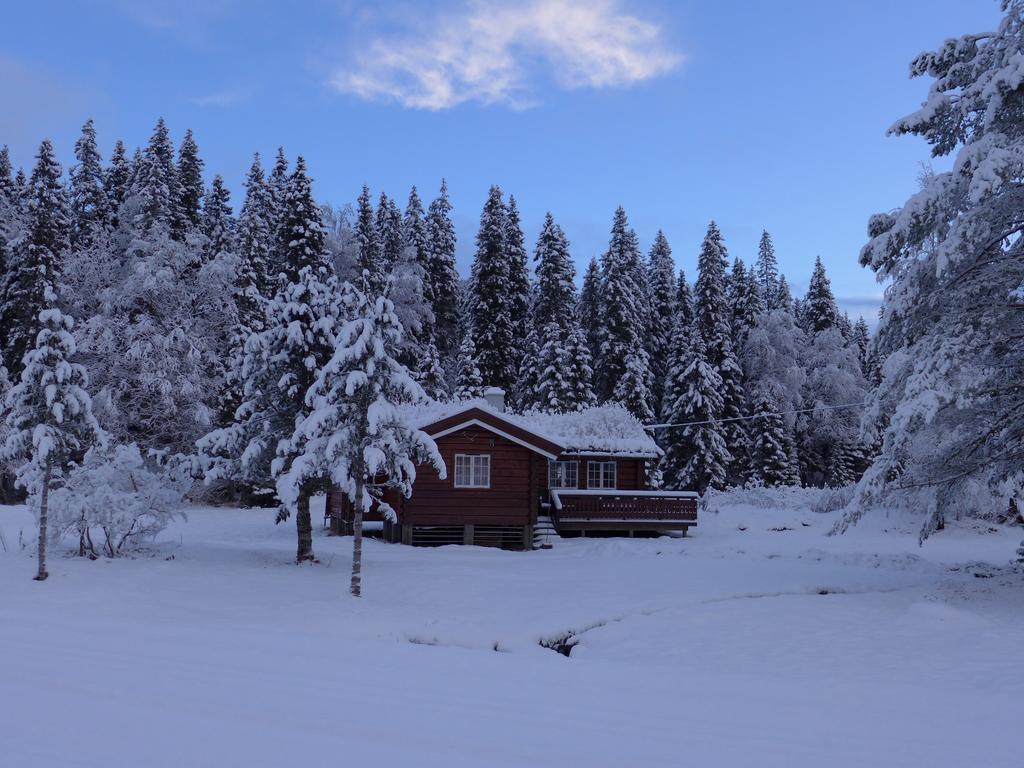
478,466
601,466
552,474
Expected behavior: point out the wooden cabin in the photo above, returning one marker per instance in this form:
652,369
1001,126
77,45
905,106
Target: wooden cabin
512,476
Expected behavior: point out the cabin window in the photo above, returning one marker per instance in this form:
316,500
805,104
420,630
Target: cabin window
601,474
472,470
563,474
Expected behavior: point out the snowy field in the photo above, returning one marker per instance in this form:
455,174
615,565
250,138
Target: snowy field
758,641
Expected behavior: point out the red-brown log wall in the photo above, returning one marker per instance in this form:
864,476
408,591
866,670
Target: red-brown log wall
511,499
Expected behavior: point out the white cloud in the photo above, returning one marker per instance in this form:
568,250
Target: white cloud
490,52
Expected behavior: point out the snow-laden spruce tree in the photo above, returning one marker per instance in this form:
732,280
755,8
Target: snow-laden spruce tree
820,311
580,372
745,301
633,389
661,283
770,463
34,257
591,315
556,287
469,383
254,245
625,312
784,298
390,233
49,415
155,183
713,321
559,372
862,341
556,370
445,292
406,290
252,287
494,298
117,179
683,328
88,203
414,235
518,272
217,222
10,226
369,258
697,456
432,376
7,189
281,363
188,188
686,313
949,406
766,272
277,187
355,434
528,377
562,384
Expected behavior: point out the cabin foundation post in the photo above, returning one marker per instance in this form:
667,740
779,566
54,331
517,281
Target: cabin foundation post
467,534
686,531
406,534
527,537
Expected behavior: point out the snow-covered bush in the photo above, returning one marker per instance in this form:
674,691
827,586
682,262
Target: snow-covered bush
782,497
114,501
834,499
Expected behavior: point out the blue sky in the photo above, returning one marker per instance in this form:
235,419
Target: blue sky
760,115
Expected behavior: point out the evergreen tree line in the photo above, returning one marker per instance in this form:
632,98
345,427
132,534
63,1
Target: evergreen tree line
171,291
761,388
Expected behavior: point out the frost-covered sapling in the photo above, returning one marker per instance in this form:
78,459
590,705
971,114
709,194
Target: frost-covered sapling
116,493
355,434
49,413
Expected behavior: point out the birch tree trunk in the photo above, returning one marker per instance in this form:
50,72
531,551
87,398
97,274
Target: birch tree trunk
304,528
44,508
357,540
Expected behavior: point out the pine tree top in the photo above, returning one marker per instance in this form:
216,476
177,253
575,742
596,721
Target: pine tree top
710,295
556,275
766,269
820,309
302,233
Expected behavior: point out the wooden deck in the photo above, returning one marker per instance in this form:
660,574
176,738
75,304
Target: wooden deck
613,510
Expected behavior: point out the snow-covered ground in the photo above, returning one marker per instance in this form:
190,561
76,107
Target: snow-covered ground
757,641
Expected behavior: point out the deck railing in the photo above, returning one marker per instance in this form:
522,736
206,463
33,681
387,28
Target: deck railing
614,506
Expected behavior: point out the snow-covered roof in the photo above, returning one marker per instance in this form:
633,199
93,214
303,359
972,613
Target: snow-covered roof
605,429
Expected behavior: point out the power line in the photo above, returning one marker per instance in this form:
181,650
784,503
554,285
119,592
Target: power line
757,416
